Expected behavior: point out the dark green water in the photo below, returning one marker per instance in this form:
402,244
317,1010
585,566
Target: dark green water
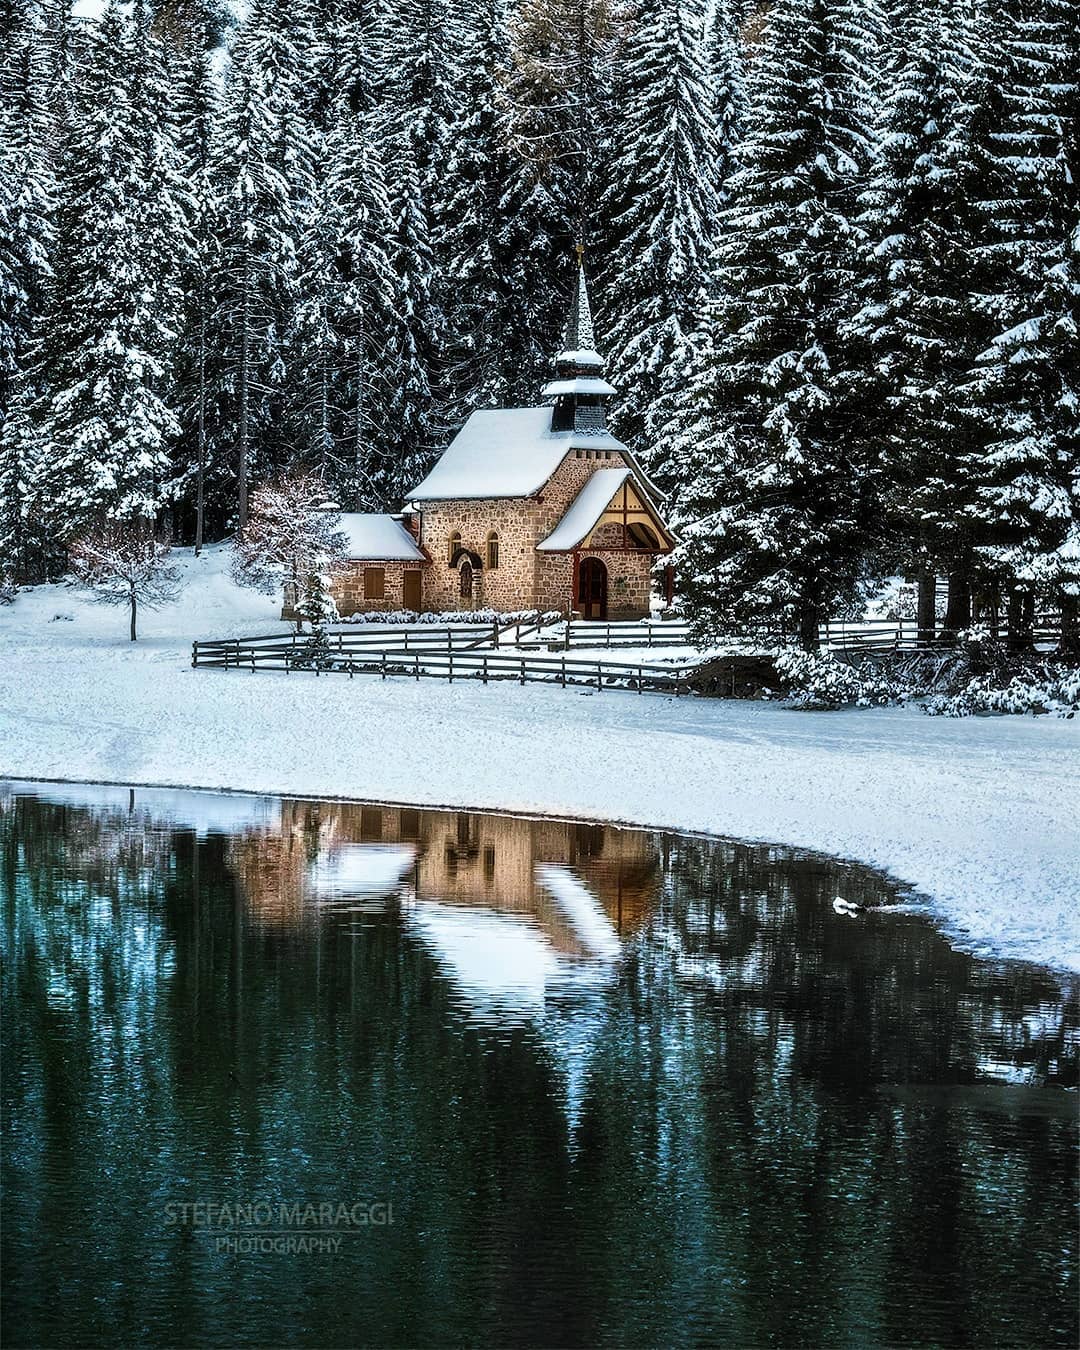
605,1087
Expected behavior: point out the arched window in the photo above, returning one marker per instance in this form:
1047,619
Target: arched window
466,579
492,551
642,536
452,546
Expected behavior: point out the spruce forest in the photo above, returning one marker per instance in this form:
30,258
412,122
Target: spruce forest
833,245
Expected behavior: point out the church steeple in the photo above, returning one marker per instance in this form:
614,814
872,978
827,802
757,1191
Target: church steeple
578,388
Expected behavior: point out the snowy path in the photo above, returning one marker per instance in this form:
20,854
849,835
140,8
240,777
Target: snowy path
982,815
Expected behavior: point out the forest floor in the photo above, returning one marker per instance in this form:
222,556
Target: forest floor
981,816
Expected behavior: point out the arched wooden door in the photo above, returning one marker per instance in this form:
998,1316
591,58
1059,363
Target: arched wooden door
592,589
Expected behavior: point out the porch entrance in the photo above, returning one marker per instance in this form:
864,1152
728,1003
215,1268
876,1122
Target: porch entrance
592,589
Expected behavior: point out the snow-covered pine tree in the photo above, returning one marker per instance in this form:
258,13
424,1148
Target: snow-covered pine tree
418,43
26,228
902,336
726,85
364,301
479,365
558,105
195,105
1021,468
662,195
777,515
256,288
412,426
101,424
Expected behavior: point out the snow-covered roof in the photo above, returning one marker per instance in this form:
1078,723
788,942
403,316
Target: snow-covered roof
584,356
581,384
585,510
378,538
505,452
361,871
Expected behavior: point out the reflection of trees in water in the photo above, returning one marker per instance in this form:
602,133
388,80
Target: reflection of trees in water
734,1173
885,990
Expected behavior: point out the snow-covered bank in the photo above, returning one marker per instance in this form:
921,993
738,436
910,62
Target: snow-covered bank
981,815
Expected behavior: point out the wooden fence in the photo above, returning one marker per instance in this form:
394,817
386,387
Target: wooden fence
438,662
346,643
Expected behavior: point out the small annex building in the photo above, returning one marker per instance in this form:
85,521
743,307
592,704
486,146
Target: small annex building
527,508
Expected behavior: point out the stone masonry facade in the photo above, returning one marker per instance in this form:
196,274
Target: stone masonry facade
348,586
525,578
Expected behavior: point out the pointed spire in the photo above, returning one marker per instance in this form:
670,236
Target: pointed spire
578,388
579,327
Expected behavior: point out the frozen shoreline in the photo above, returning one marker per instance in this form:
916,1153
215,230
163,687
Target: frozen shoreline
979,815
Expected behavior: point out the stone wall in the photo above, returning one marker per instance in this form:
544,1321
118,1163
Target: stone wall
524,578
347,588
509,586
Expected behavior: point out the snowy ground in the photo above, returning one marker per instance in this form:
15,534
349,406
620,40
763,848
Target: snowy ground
981,815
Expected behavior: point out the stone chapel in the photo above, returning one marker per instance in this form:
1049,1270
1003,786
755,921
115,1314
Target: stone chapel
527,508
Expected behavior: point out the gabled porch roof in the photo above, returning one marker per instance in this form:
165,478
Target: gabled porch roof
588,507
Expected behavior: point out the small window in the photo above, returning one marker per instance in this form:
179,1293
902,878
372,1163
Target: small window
466,580
492,551
374,583
452,546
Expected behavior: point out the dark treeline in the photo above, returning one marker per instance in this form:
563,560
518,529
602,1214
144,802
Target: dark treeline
835,251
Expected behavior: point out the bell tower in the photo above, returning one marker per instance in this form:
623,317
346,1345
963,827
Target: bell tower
579,389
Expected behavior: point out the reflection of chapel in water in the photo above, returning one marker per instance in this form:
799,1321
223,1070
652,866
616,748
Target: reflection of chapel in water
336,853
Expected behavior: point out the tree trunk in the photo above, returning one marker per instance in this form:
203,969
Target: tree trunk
244,393
927,606
200,479
134,606
1020,614
958,607
808,628
358,420
1070,627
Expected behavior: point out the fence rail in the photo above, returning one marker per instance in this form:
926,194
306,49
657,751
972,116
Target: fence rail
454,663
359,642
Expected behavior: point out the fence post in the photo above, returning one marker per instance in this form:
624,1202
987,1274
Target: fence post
253,661
194,654
522,670
416,667
599,678
406,639
384,665
564,671
639,679
485,670
451,651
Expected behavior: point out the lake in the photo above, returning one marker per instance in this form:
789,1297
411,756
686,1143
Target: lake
323,1074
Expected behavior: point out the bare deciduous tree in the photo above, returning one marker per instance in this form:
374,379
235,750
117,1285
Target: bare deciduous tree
125,562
